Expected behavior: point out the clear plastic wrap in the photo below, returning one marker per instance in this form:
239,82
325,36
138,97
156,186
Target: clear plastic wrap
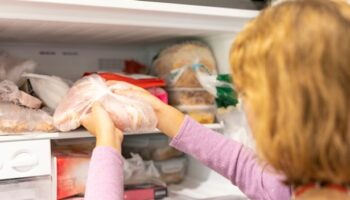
17,119
136,171
174,63
51,89
12,68
220,86
128,112
9,92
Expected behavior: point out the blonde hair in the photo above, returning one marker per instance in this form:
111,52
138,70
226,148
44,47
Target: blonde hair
292,65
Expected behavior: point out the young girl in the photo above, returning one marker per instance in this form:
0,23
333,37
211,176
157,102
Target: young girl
291,66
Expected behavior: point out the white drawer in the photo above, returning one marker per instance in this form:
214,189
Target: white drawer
38,188
25,159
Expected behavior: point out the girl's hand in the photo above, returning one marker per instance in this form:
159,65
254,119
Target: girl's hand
169,118
99,123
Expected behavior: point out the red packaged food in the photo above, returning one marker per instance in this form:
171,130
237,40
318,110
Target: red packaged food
71,175
138,80
145,192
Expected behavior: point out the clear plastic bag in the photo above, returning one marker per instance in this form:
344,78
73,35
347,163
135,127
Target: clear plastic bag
17,119
12,68
220,86
128,112
136,171
173,64
236,125
50,89
9,92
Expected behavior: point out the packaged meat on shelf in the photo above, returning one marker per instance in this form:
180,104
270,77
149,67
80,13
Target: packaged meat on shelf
128,111
152,84
16,119
9,92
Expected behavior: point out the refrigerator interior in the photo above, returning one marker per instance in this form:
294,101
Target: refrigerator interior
71,42
72,60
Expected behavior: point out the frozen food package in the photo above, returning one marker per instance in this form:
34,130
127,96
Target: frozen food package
174,64
9,92
17,119
50,89
173,170
12,68
127,110
72,172
190,96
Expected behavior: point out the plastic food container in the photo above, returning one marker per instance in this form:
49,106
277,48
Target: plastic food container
202,114
190,96
151,147
173,170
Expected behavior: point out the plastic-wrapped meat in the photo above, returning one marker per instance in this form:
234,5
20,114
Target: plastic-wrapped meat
128,112
9,92
16,119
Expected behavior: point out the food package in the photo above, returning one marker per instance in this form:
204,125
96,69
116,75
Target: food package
12,68
17,119
140,80
172,171
174,64
150,147
220,86
128,111
50,89
190,96
9,92
145,192
72,172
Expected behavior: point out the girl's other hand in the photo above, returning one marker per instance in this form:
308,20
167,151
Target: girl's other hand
99,123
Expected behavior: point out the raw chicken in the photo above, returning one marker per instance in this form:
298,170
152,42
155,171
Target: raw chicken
9,92
128,112
16,119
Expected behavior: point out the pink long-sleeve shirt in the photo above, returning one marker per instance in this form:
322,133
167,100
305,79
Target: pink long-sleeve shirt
229,158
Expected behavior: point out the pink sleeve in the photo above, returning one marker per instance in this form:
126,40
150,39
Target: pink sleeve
105,179
232,160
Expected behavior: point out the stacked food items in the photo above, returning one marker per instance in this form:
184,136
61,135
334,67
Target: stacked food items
149,166
114,91
19,110
175,64
170,162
